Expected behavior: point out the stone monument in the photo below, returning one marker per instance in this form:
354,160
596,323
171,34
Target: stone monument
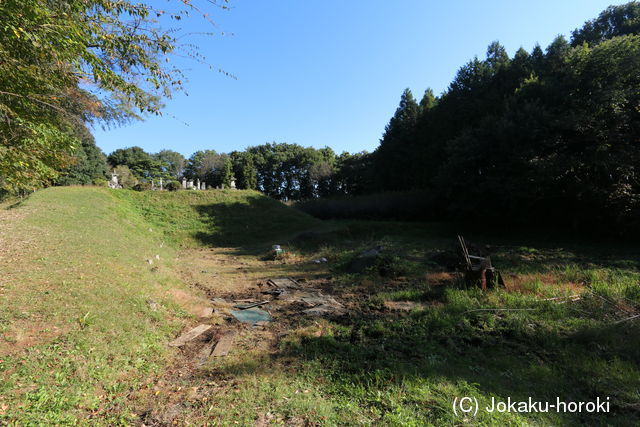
113,183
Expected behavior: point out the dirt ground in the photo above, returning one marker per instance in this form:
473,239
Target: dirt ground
221,278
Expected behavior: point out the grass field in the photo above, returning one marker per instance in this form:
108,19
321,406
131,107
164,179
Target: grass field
86,319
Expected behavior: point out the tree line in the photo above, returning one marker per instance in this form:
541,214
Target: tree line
280,170
547,136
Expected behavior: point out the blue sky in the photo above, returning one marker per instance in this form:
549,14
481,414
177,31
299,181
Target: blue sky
331,72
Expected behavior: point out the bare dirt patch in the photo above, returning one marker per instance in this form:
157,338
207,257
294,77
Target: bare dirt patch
23,334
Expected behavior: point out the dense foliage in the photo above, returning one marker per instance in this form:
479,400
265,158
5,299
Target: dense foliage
89,166
70,62
547,137
283,171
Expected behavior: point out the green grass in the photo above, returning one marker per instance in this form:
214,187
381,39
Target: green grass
76,297
217,218
406,368
77,262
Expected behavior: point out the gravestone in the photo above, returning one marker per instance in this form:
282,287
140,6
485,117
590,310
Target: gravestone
113,183
232,184
184,183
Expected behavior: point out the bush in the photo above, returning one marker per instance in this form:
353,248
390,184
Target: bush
100,182
142,186
172,186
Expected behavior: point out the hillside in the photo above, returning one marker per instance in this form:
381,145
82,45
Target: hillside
221,218
82,308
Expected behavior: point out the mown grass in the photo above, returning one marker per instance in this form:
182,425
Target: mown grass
217,218
78,331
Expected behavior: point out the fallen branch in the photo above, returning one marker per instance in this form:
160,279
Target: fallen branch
628,318
571,297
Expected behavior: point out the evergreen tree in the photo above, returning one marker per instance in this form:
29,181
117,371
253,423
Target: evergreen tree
226,172
90,163
140,163
244,170
395,151
428,100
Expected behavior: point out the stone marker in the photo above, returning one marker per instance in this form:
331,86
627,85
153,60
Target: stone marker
184,183
113,183
204,353
251,315
192,334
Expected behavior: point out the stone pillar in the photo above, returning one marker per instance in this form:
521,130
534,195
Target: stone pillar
198,184
184,183
114,181
160,184
204,186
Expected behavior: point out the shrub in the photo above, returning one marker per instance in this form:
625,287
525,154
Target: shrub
172,186
142,186
100,182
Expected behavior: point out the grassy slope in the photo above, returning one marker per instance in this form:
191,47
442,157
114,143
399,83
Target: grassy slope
79,332
81,288
218,218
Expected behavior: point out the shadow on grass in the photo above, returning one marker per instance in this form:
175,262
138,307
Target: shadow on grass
574,353
499,356
250,223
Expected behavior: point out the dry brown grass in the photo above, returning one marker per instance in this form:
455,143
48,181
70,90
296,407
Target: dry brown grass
541,284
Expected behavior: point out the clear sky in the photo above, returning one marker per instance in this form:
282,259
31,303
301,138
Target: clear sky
330,73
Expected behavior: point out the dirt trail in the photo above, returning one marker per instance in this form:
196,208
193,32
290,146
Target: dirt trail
220,278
